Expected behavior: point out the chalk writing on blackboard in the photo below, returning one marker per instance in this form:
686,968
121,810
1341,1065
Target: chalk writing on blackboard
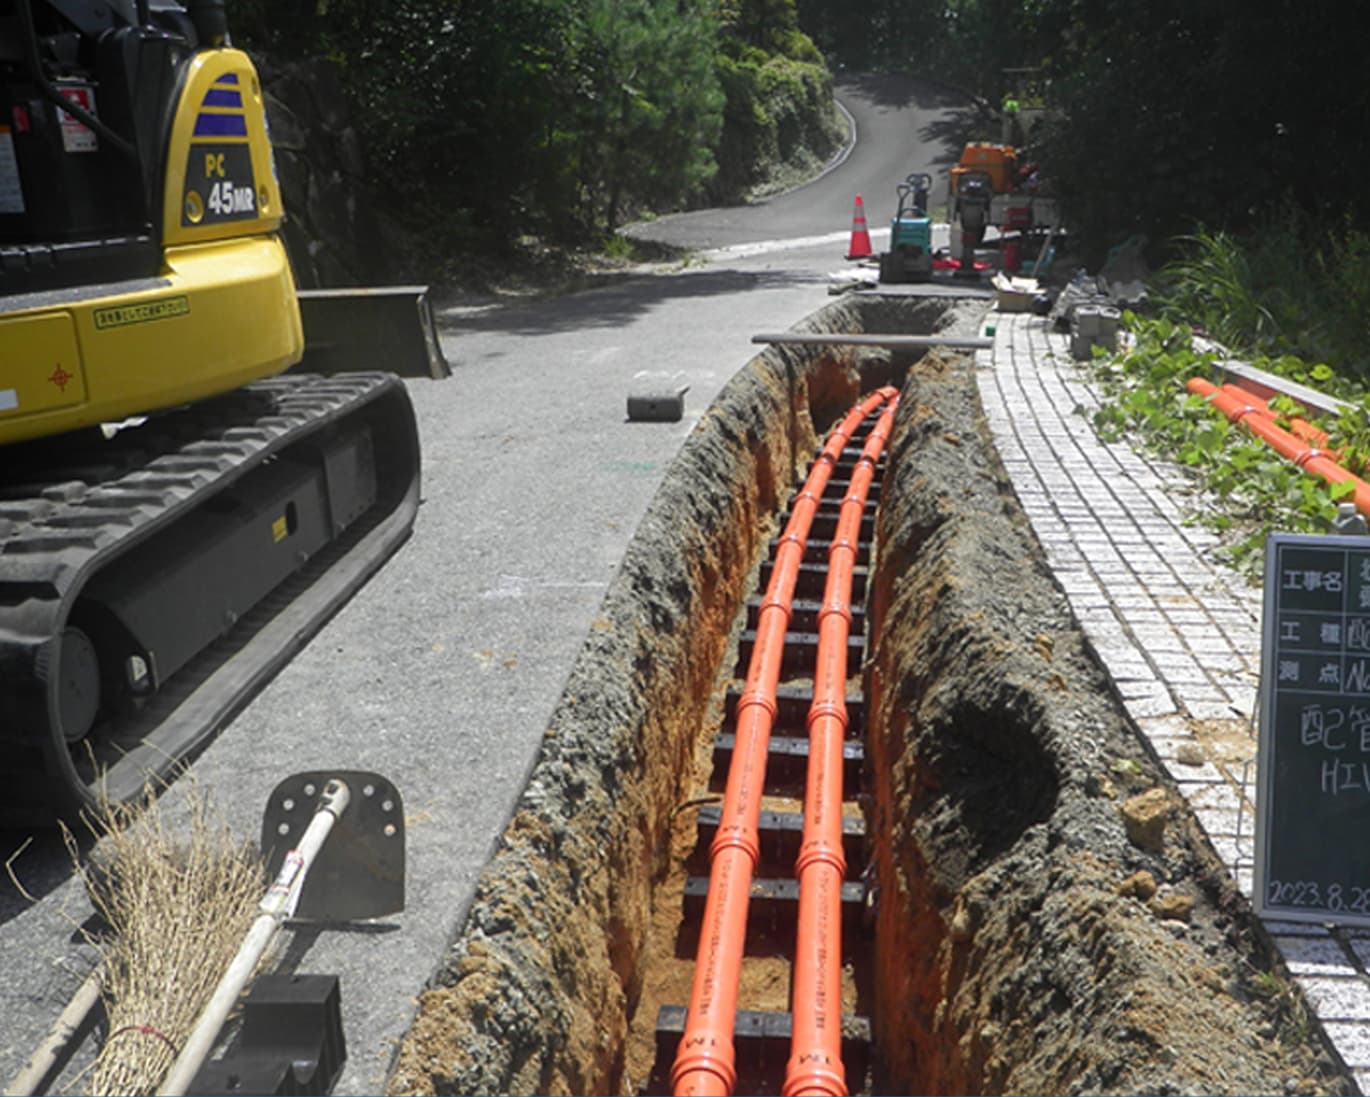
1313,764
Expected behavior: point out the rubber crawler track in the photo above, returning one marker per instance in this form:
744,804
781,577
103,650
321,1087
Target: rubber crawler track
762,1038
71,505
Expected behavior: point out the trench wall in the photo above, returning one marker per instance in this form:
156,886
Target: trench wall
536,993
1049,918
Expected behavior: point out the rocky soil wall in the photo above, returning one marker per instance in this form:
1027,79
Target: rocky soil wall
1050,919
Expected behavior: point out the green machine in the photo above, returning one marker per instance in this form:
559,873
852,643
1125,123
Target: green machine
910,256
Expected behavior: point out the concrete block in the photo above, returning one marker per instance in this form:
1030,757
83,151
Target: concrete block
657,406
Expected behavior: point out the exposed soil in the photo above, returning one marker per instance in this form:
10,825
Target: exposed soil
1049,918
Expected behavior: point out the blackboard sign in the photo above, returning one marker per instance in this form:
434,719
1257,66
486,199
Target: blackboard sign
1313,765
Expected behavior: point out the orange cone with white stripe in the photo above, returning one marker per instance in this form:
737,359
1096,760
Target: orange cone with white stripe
860,235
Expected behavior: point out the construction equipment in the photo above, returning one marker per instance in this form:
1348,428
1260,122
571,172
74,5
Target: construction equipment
910,255
357,876
989,187
155,571
971,192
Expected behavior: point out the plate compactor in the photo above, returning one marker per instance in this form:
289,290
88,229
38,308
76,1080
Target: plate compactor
910,256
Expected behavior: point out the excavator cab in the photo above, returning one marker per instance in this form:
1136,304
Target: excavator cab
139,212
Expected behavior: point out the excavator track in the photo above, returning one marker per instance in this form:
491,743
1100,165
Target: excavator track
118,659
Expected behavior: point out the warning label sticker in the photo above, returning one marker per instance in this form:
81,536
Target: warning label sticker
76,136
166,308
11,192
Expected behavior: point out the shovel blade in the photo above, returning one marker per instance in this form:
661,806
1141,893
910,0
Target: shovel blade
359,871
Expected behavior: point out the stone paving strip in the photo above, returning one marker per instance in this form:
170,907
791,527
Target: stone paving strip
1179,633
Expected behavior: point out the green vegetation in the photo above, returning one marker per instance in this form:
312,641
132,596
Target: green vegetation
1294,310
1165,116
489,121
1261,492
1293,289
778,98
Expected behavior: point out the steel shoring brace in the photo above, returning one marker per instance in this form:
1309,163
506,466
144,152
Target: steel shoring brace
705,1062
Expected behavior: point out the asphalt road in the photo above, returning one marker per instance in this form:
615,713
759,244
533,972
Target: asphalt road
443,670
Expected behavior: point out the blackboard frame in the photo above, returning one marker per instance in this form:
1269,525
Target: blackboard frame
1313,747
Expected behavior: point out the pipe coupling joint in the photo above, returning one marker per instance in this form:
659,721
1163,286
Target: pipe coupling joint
739,837
705,1067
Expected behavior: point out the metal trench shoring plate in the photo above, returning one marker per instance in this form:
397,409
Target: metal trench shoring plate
358,873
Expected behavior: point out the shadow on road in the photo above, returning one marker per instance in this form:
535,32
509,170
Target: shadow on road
35,865
899,91
619,304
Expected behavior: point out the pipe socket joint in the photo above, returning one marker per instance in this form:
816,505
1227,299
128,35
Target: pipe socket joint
820,852
775,601
839,606
810,1072
738,837
756,698
831,710
706,1068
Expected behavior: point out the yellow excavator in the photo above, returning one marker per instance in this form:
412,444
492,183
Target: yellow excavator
179,508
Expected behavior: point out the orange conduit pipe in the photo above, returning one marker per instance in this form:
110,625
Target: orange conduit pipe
1300,428
1309,458
705,1062
815,1065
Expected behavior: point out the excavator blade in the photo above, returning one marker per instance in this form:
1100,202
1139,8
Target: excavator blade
352,329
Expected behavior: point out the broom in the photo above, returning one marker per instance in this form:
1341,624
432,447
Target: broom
177,909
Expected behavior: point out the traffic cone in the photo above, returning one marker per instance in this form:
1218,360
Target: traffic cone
860,235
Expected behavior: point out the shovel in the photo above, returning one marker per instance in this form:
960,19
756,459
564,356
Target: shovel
335,843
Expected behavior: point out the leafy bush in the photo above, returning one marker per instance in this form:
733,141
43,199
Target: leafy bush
778,107
1294,288
1261,492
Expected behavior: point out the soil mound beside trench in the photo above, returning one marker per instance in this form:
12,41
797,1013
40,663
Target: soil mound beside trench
1048,917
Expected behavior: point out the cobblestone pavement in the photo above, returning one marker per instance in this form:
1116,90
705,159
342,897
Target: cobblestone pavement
1179,633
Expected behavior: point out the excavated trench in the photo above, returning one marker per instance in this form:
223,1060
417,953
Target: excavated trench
1025,926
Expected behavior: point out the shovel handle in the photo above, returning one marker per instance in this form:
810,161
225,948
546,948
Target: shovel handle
276,906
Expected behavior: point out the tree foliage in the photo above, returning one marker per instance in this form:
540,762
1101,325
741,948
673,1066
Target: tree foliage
1169,115
485,120
778,93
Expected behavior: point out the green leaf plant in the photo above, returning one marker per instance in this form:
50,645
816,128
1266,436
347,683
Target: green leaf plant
1248,490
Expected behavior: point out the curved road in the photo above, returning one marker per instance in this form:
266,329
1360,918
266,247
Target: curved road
901,126
443,670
